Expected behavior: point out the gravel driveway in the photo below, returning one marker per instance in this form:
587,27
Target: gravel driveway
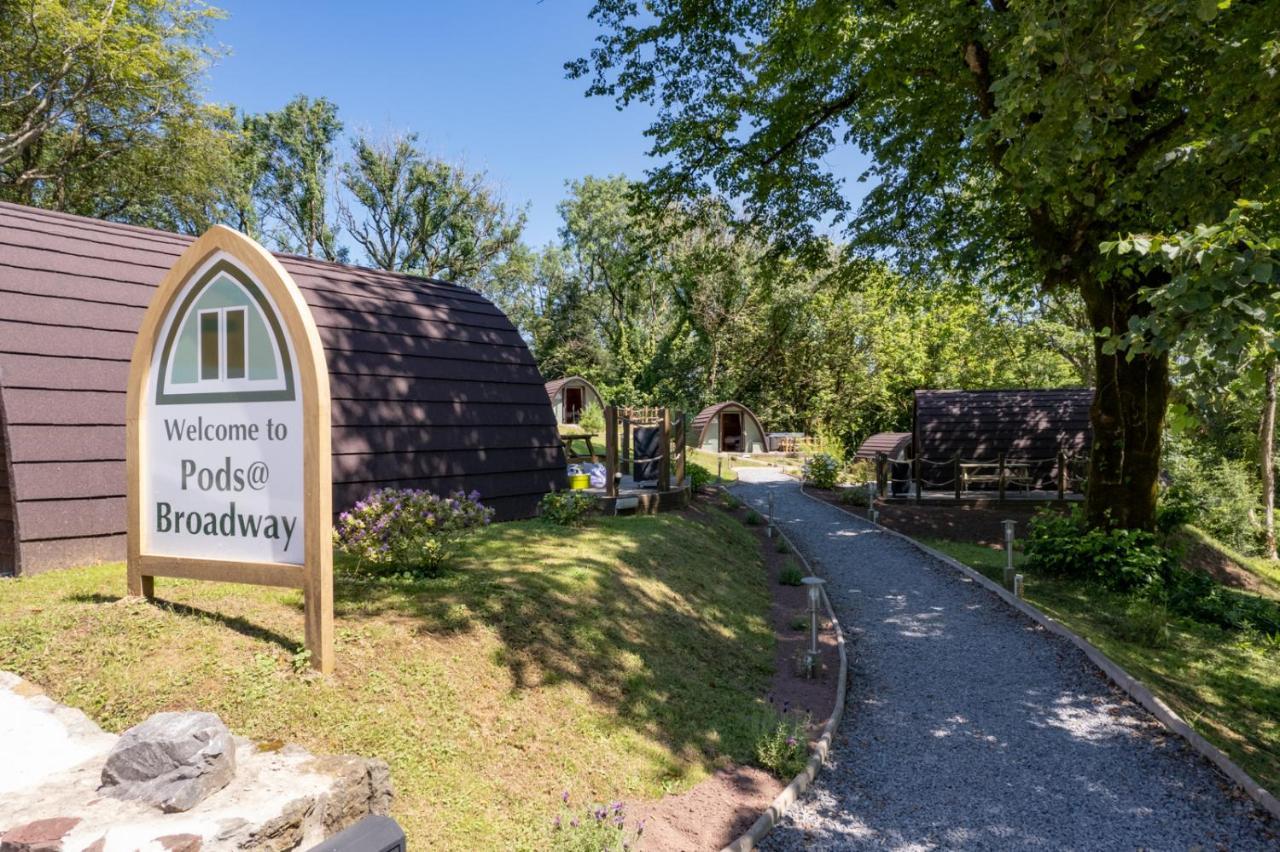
969,727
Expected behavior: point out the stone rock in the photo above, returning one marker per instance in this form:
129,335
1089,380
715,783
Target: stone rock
172,761
42,835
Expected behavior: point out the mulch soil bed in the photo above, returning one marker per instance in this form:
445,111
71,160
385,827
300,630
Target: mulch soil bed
716,811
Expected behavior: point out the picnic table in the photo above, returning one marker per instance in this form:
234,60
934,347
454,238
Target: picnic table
586,439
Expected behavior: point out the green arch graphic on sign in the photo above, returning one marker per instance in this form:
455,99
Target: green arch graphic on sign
224,345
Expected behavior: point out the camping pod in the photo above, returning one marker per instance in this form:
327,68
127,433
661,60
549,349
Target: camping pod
570,396
431,386
1028,428
727,427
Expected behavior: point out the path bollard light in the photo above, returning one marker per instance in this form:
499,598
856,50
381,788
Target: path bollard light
719,470
1017,586
768,530
871,494
1008,552
814,585
875,516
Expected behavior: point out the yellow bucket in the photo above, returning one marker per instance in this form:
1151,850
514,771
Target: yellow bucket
579,481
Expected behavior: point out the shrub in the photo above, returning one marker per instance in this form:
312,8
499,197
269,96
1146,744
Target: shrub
698,475
753,519
822,471
782,742
781,546
1118,559
592,419
1200,597
598,828
731,503
855,496
790,575
566,508
396,530
1220,496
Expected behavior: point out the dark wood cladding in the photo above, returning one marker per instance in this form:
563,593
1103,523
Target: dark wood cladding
432,386
1032,425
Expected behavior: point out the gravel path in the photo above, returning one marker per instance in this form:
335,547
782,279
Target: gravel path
968,727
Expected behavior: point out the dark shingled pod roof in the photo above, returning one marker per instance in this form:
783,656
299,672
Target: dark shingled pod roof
706,415
432,386
892,444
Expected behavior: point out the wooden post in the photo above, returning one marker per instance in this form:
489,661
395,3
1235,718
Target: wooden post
664,441
610,450
679,441
625,416
882,473
956,471
919,480
1001,474
1062,475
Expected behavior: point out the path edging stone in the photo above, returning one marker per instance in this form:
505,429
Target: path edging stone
773,815
1127,683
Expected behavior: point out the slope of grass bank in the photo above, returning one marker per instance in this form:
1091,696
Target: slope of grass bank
1225,685
619,661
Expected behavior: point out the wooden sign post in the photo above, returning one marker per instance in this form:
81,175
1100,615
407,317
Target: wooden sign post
227,433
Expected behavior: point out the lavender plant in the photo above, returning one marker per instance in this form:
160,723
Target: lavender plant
396,530
596,828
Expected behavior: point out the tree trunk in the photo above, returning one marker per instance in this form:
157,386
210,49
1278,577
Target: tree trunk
1129,404
1266,454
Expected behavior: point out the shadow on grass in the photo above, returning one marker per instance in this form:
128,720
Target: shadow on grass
660,619
236,623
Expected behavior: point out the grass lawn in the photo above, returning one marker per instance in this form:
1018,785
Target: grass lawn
619,661
1225,687
1266,570
731,461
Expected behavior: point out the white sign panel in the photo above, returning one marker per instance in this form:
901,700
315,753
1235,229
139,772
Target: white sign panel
222,429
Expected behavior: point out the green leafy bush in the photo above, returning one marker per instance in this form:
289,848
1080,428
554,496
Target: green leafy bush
1119,559
753,519
698,475
782,742
592,419
856,496
1220,496
790,575
1145,622
731,503
398,531
822,470
1200,597
781,546
566,508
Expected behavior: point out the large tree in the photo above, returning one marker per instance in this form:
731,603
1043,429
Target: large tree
1009,140
296,146
100,111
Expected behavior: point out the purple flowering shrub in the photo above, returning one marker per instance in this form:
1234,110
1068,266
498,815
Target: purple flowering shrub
402,530
782,740
596,828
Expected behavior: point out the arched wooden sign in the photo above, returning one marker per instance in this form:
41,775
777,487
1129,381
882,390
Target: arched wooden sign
228,432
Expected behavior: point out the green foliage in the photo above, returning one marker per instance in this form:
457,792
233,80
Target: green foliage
1217,495
1144,622
296,145
753,519
1119,559
790,575
782,742
730,502
566,508
596,828
822,471
399,530
1198,596
698,475
100,111
855,496
592,419
781,546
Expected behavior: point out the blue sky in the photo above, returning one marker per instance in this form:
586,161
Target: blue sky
481,81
